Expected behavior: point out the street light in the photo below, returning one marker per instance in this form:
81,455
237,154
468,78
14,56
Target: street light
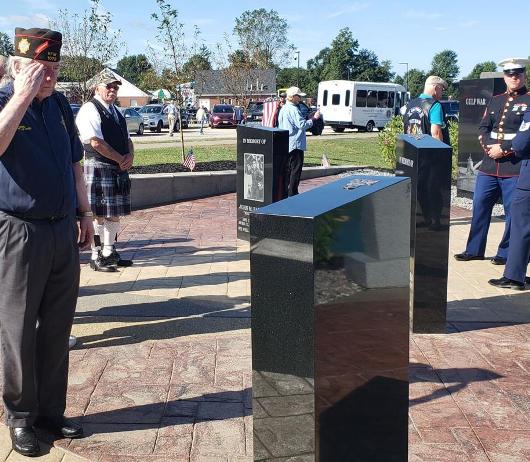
407,74
298,68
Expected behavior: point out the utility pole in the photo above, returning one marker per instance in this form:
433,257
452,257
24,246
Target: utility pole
298,68
407,76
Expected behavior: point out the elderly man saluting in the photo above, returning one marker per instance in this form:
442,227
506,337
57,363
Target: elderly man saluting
41,183
290,118
109,153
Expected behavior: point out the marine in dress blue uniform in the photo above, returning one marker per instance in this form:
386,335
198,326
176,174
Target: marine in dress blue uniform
519,254
499,169
41,183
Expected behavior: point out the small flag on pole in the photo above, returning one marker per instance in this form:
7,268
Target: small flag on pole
189,160
325,162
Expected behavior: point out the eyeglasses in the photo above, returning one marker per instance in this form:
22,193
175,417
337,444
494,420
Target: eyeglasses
514,73
112,86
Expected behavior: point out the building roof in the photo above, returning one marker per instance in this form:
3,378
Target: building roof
215,82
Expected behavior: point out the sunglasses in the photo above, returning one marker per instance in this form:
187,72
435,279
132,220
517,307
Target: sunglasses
112,86
514,73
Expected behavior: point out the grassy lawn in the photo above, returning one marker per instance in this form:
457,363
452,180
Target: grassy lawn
339,152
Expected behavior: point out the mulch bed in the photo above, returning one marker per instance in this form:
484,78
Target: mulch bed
213,166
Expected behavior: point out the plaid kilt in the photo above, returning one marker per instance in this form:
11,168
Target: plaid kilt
103,195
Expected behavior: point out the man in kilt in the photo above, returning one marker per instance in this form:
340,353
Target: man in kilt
109,154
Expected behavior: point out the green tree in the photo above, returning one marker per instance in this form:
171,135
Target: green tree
366,67
197,62
292,76
445,65
89,43
6,45
487,66
132,67
416,81
263,34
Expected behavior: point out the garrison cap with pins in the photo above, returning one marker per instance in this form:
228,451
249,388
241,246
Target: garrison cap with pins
512,66
36,43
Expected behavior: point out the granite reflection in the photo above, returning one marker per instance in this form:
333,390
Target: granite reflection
330,306
427,162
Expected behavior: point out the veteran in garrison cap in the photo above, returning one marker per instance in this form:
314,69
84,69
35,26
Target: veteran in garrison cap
500,166
41,185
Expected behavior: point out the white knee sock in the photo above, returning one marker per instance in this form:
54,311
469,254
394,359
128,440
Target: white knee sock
98,231
110,229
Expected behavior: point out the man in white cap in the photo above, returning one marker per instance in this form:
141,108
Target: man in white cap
291,119
109,154
500,167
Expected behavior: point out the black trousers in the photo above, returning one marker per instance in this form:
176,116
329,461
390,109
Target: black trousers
293,170
39,278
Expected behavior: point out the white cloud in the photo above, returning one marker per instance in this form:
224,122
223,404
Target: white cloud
467,24
421,15
355,6
35,20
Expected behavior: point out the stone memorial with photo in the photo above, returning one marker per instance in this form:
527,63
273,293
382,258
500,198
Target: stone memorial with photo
427,161
330,323
261,152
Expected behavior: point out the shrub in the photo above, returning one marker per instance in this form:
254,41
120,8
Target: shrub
386,140
453,137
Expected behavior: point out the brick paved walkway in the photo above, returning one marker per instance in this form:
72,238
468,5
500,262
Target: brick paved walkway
163,369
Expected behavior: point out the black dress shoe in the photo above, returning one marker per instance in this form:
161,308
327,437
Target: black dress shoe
505,283
104,264
464,256
118,261
24,441
496,260
60,426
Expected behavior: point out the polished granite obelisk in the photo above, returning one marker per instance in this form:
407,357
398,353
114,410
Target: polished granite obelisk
330,323
261,153
427,161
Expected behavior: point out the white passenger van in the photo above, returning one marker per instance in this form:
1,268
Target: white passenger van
363,105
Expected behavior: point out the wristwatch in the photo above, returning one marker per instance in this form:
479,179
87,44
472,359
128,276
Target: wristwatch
85,214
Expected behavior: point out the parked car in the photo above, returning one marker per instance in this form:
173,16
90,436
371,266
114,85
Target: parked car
136,108
254,111
452,110
222,115
75,108
154,117
135,122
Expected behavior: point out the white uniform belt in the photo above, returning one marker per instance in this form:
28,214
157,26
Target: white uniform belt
502,136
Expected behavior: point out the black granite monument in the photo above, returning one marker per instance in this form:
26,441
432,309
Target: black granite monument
261,152
475,95
427,161
330,323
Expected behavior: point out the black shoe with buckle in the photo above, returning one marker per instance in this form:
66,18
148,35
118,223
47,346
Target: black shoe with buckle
505,283
24,441
118,261
60,426
496,260
464,256
104,264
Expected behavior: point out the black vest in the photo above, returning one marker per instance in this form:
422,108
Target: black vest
114,133
416,118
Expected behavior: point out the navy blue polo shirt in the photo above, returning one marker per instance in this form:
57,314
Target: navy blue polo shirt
36,175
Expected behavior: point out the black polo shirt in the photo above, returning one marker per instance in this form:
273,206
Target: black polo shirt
36,176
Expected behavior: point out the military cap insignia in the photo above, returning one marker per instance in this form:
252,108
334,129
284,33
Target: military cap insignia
24,46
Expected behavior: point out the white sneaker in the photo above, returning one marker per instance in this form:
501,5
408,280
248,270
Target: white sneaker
72,341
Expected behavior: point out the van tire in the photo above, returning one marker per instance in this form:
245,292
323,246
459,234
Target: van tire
337,129
370,126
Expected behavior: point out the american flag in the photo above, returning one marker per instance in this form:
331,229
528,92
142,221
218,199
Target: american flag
189,160
269,113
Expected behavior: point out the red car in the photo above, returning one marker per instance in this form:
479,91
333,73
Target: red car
222,115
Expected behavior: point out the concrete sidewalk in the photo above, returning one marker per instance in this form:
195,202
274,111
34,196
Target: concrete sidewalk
163,370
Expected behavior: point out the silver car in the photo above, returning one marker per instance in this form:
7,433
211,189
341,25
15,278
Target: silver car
135,122
154,117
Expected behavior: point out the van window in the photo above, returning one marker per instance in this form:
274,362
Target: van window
371,99
325,98
391,96
361,98
335,99
382,99
347,100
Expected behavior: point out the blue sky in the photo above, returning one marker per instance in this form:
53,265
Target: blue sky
399,31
